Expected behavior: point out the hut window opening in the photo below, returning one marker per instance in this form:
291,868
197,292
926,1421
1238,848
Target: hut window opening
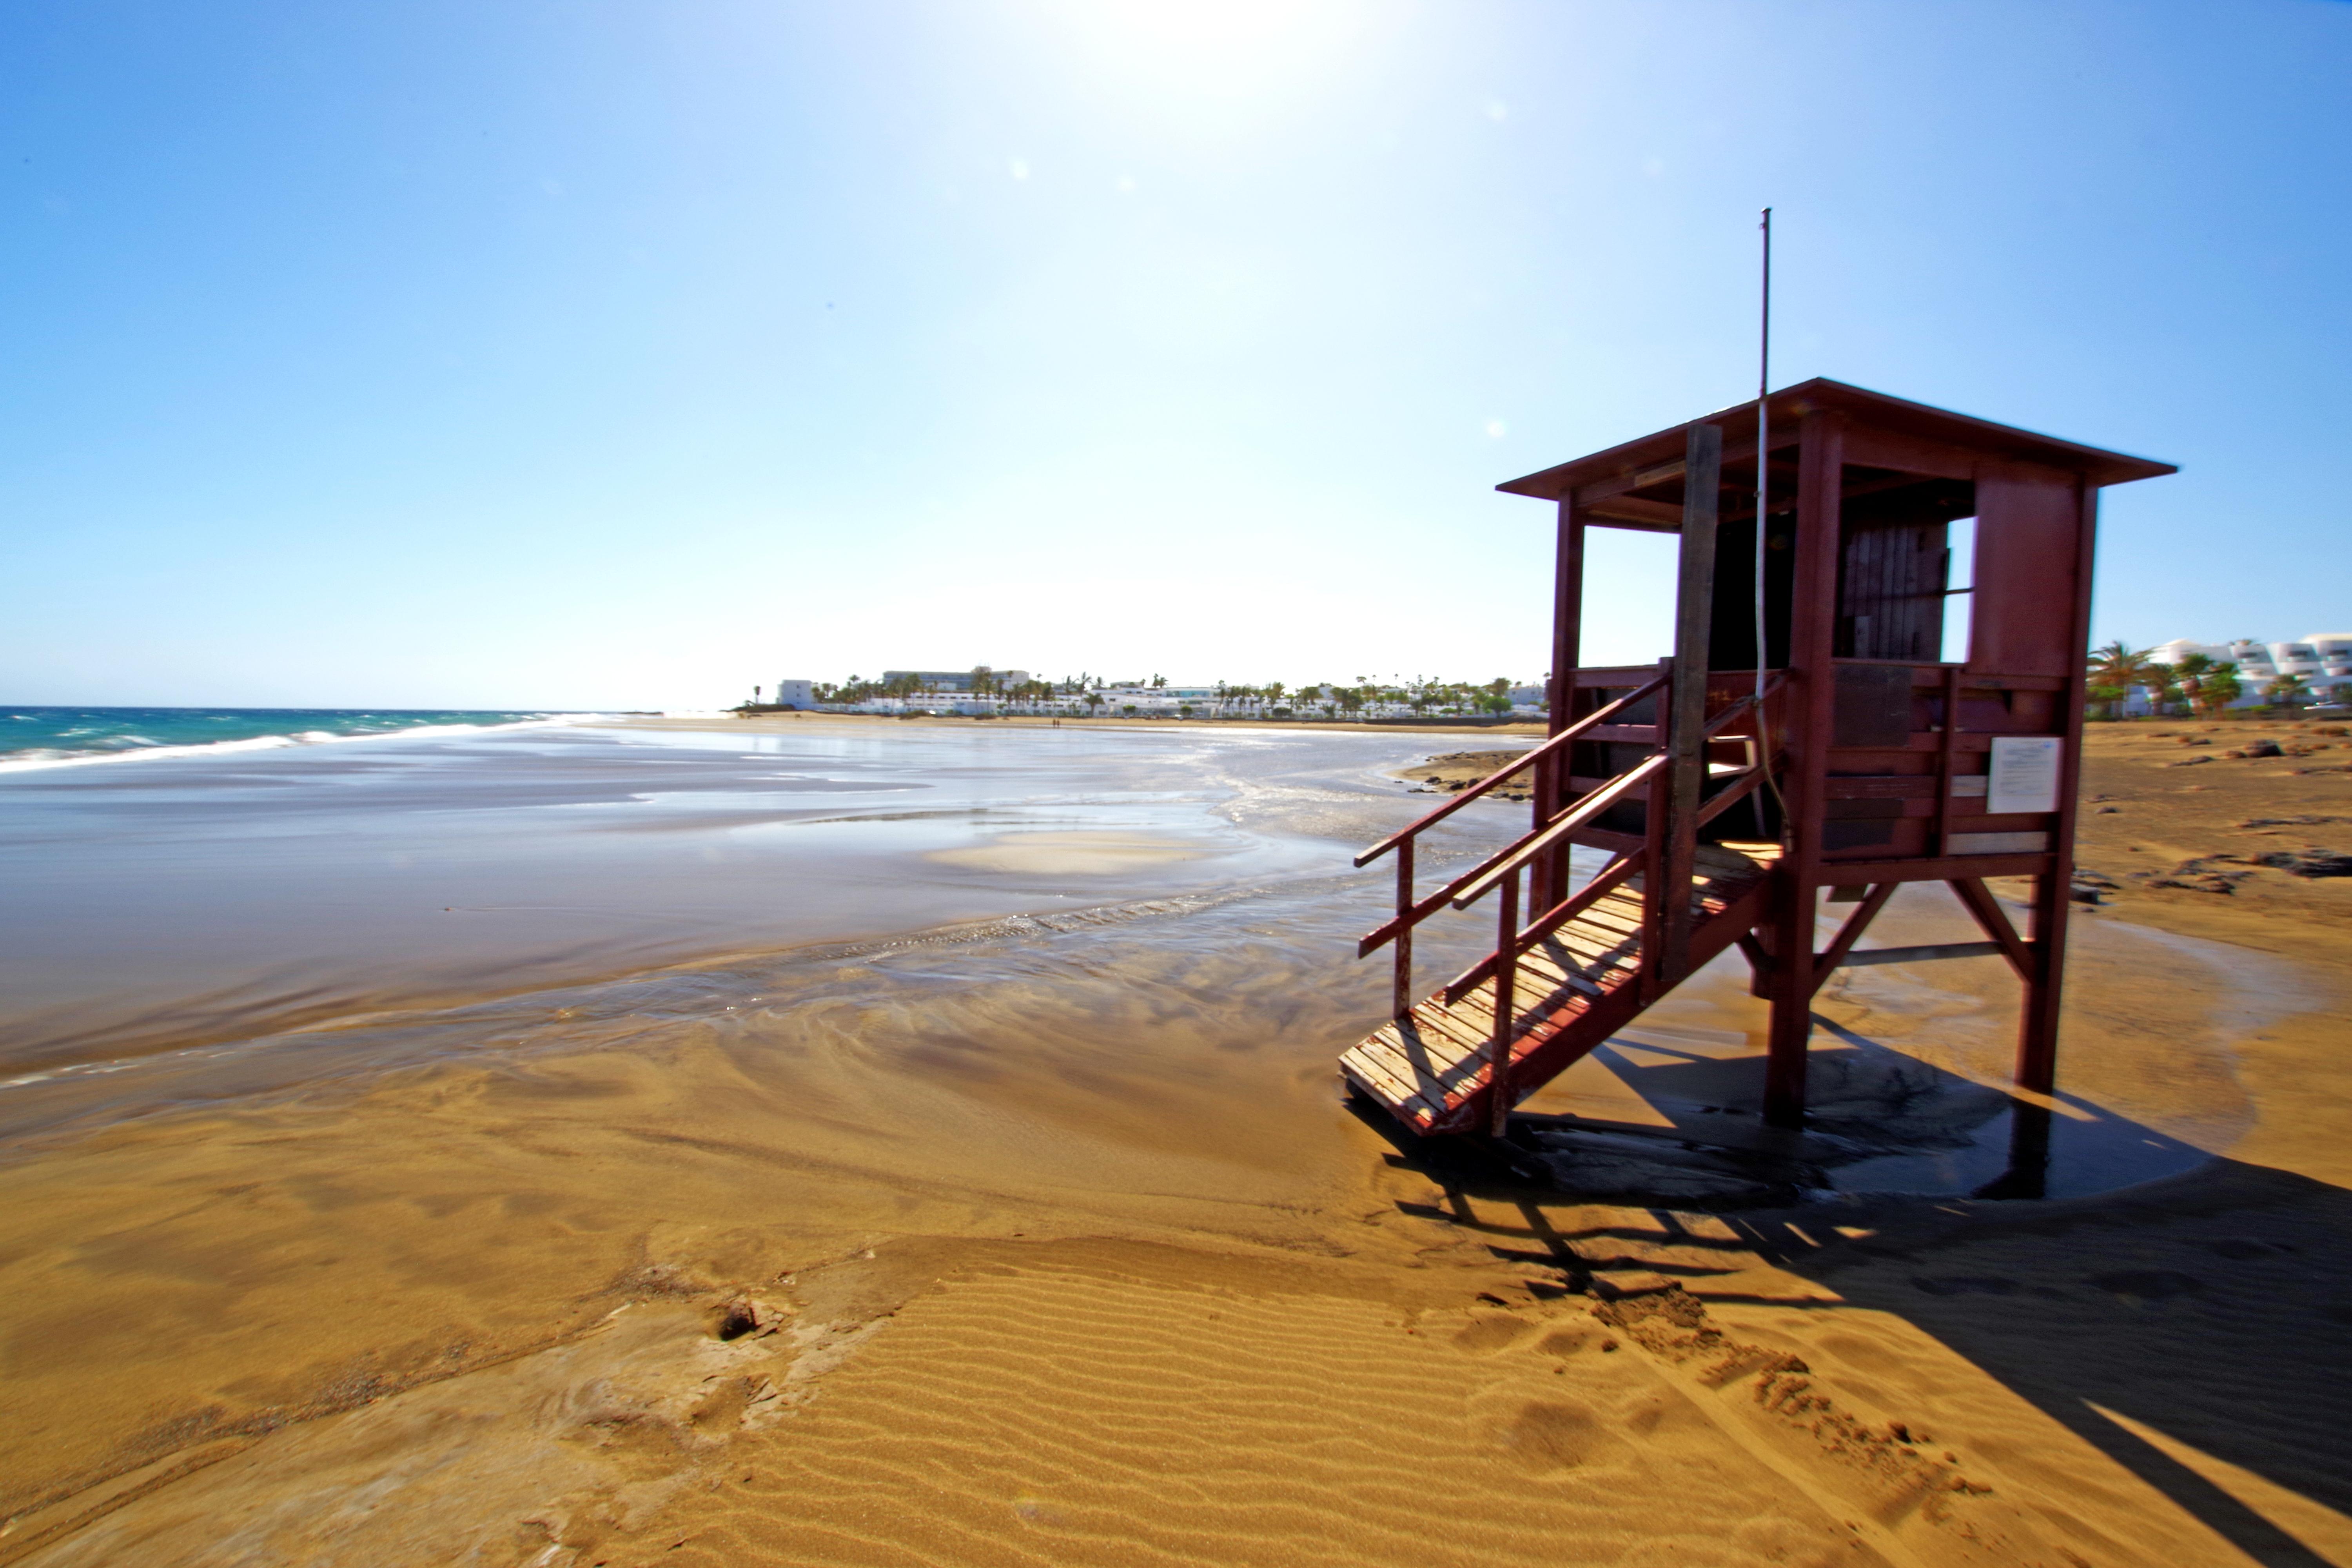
1895,564
1959,588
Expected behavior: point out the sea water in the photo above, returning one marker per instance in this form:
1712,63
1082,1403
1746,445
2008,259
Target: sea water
38,736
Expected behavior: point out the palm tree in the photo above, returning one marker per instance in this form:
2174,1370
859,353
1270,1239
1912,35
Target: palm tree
2114,670
2287,690
2218,688
2190,673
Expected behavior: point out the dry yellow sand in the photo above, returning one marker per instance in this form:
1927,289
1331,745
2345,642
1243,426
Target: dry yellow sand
1132,1287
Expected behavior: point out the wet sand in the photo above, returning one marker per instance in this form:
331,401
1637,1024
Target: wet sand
1068,854
1049,1241
166,904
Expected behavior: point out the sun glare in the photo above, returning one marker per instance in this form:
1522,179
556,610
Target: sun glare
1216,45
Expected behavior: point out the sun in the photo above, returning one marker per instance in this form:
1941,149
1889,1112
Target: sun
1214,46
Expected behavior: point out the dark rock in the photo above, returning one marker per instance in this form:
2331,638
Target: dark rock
2308,862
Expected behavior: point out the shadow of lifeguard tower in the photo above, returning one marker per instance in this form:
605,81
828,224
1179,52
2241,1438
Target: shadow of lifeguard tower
1731,792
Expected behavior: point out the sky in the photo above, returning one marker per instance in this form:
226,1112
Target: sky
625,356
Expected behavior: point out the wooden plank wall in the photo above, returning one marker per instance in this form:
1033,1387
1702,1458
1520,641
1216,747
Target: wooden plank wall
1890,583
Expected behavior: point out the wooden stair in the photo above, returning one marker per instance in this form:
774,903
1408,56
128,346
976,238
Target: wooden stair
1575,987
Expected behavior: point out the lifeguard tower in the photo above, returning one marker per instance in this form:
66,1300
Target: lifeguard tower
1729,799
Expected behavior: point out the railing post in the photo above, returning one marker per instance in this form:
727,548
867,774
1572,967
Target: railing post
1507,1007
1401,1003
1654,859
1547,887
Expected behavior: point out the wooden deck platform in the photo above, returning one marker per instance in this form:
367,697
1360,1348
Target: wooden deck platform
1575,988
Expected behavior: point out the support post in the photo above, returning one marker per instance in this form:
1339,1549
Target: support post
1812,689
1401,1002
1948,739
2037,1035
1654,863
1685,708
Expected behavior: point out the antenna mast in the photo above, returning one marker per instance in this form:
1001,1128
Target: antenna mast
1763,450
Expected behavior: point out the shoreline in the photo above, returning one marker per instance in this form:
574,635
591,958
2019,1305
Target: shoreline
34,759
731,721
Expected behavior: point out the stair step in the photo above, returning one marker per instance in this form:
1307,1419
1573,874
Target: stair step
1430,1069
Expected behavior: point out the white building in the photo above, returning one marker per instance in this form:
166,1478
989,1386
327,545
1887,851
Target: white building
1156,702
794,694
2324,660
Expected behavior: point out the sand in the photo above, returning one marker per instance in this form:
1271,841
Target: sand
1068,854
1105,1272
1451,773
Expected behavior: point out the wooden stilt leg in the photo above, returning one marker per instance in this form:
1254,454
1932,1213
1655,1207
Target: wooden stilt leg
1819,480
2037,1034
1790,987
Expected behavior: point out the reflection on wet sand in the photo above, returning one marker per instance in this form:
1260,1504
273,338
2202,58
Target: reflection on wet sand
199,900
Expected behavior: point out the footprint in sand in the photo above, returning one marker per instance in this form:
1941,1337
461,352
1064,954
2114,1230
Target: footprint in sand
1558,1434
2148,1284
1967,1285
1563,1341
1492,1331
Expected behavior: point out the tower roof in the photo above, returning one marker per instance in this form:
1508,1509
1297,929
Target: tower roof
1893,432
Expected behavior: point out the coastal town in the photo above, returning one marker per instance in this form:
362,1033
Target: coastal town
2184,676
982,692
2174,679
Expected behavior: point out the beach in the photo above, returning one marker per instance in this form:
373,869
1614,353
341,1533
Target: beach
839,1140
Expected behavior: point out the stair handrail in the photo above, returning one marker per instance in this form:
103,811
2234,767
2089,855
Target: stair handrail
1604,882
1575,731
1483,879
1485,870
1490,875
1555,828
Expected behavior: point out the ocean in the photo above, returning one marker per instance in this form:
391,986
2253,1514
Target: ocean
46,737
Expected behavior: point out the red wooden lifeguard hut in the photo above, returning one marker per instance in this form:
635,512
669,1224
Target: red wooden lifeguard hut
1860,757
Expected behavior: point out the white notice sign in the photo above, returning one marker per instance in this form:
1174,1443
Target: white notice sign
2025,775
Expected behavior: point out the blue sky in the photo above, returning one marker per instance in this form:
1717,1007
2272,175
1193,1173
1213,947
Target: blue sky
601,354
